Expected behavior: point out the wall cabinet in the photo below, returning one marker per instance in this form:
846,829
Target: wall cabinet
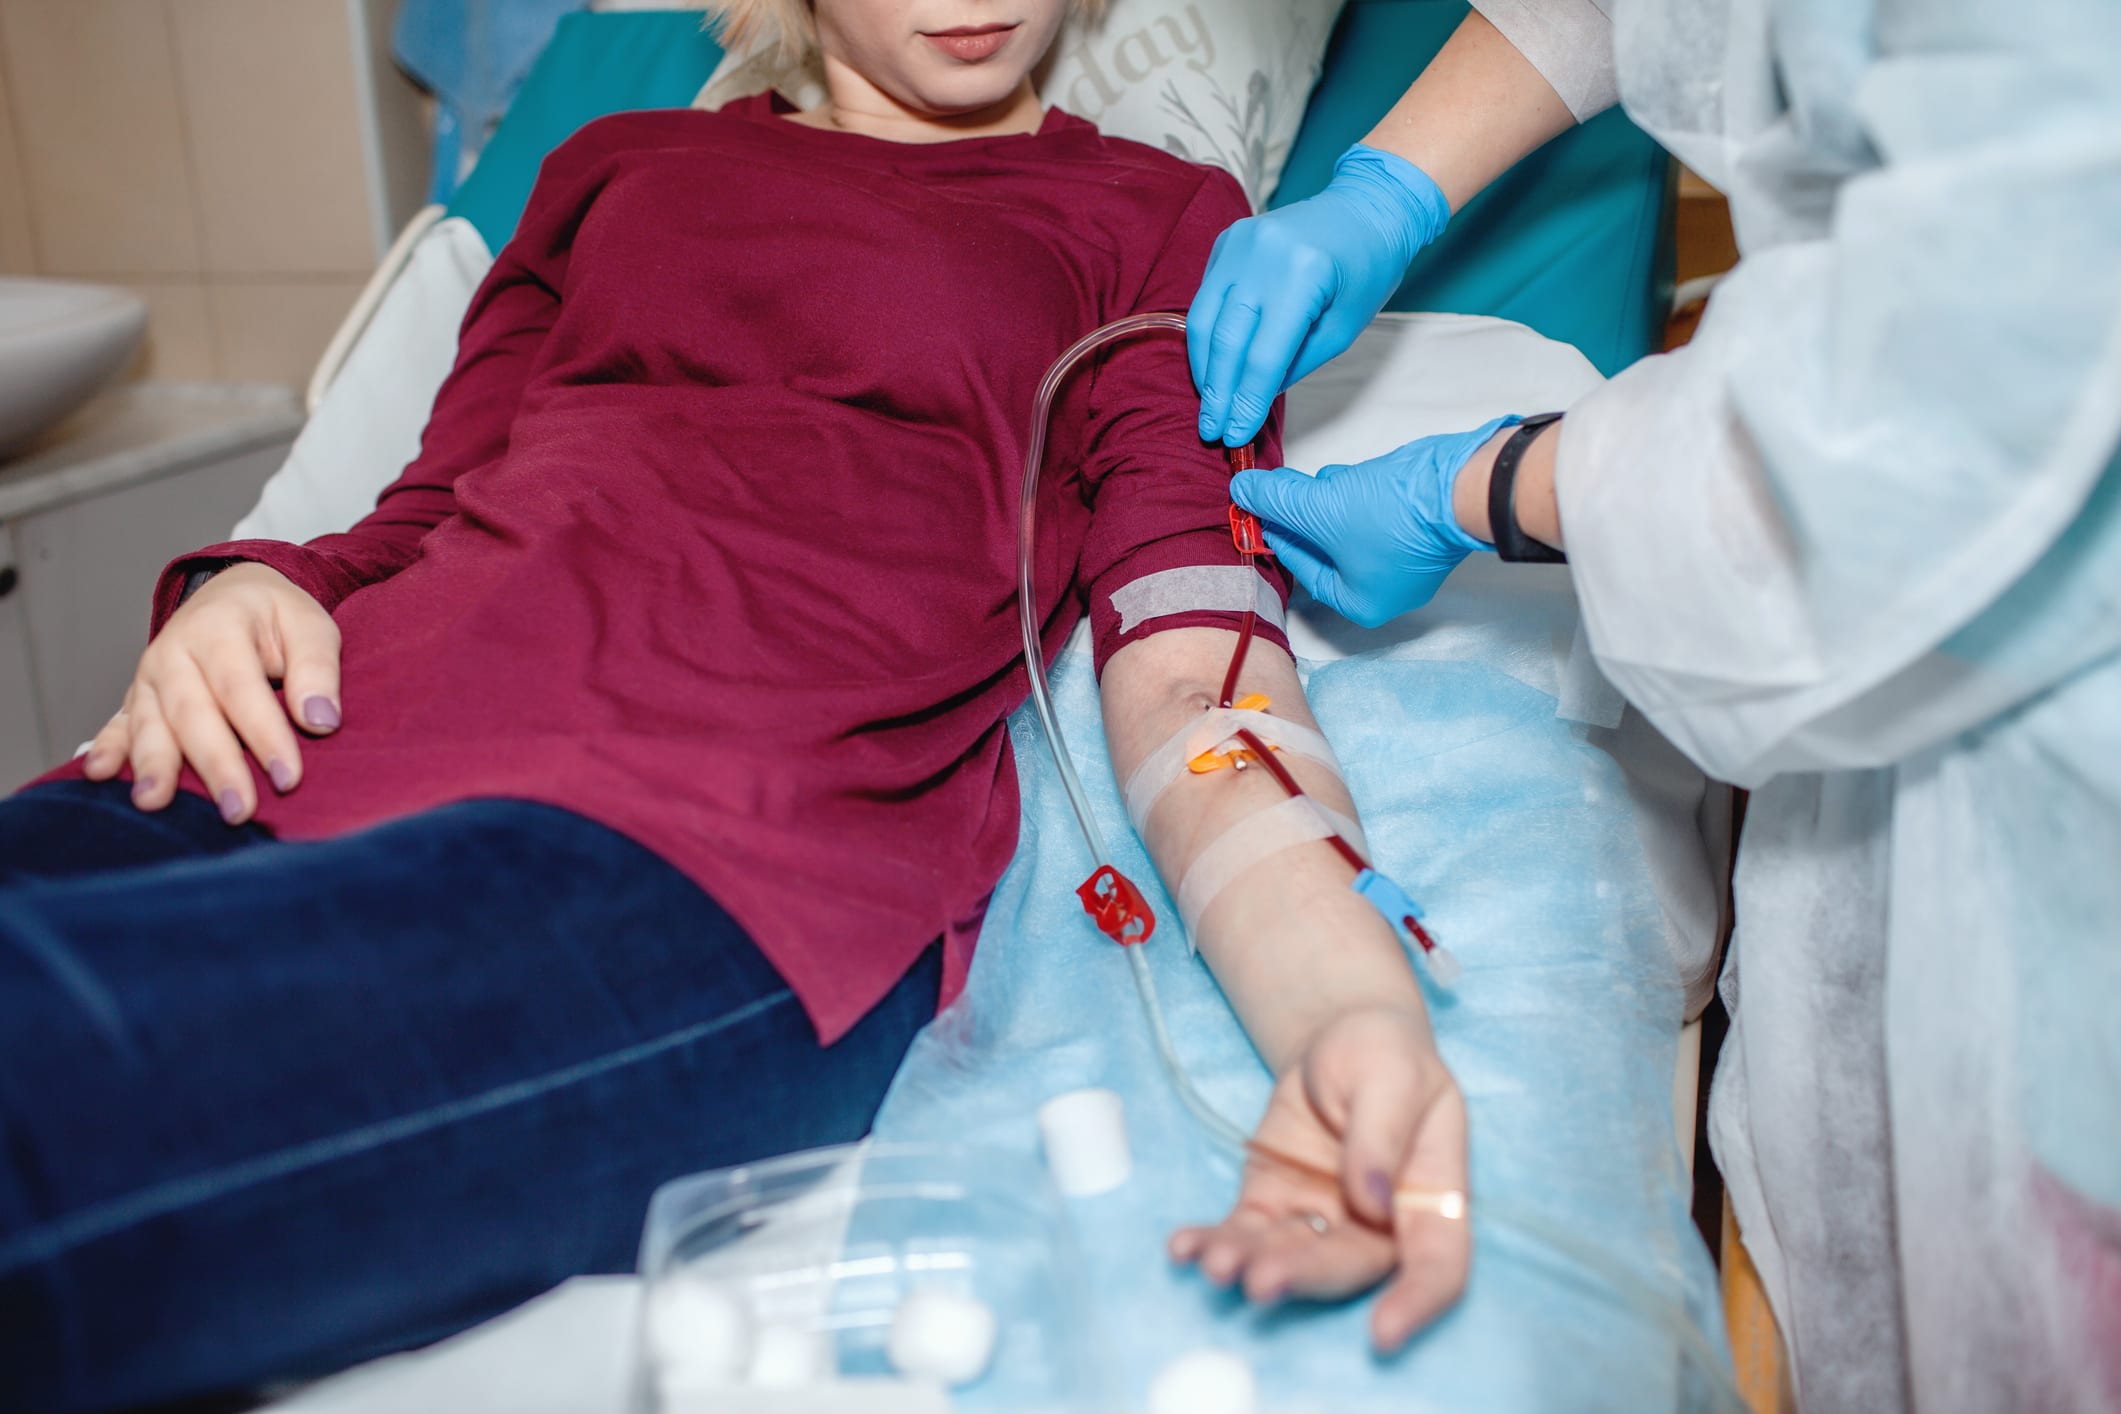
89,518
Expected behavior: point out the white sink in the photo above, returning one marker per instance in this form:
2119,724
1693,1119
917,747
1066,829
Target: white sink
59,343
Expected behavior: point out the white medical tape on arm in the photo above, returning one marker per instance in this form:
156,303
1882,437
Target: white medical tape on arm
1297,820
1211,729
1190,589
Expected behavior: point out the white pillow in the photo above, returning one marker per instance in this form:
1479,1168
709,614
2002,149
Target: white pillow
368,426
1218,81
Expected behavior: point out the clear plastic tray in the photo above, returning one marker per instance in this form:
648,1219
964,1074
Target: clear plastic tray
824,1245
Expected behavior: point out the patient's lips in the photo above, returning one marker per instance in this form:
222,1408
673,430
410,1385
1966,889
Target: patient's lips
970,43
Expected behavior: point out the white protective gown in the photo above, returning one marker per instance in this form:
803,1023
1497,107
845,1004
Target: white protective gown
1858,546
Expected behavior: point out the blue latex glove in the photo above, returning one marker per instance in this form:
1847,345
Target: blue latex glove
1373,540
1288,290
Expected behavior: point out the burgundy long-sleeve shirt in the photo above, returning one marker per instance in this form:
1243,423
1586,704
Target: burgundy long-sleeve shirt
712,534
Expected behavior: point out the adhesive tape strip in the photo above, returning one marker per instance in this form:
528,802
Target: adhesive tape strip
1297,820
1168,762
1221,589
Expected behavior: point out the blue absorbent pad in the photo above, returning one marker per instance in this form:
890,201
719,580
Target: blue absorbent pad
1512,828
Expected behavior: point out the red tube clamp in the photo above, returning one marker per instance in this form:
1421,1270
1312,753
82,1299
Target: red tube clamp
1117,907
1245,532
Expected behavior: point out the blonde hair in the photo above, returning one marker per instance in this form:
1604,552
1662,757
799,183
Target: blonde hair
786,25
739,24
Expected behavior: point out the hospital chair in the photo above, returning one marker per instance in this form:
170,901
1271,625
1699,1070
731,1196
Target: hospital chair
1571,244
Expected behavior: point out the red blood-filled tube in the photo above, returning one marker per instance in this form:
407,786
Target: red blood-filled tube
1251,542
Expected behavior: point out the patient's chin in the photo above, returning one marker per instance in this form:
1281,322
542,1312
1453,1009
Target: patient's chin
969,92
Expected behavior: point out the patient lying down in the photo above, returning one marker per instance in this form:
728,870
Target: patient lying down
637,770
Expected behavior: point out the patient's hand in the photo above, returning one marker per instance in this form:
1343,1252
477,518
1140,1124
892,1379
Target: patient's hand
203,692
1370,1102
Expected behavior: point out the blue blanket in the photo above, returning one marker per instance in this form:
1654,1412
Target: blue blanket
1513,827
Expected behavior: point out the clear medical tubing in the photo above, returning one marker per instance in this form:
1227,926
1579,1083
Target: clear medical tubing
1042,695
1632,1291
1027,542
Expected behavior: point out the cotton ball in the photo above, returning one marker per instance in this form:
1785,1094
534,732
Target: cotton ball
698,1329
1204,1382
1085,1137
940,1336
788,1357
693,1392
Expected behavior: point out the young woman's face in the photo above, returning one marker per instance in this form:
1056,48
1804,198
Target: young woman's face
940,58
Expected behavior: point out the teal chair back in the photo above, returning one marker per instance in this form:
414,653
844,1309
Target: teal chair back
595,64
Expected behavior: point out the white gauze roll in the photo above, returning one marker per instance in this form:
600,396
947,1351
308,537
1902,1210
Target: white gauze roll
1204,1382
1085,1137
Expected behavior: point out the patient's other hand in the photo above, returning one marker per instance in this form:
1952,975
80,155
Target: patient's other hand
1371,1103
203,693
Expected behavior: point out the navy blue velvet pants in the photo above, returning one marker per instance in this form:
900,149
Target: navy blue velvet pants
269,1108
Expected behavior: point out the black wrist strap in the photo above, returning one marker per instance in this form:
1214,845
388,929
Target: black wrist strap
1511,543
196,580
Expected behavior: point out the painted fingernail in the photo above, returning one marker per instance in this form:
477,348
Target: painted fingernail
320,712
231,805
1380,1185
283,775
143,787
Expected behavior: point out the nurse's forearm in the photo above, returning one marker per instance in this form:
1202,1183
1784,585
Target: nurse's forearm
1532,494
1291,944
1476,109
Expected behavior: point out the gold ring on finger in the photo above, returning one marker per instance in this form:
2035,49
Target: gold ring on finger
1446,1203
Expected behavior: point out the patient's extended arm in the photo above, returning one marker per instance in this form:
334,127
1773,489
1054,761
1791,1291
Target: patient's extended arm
1325,989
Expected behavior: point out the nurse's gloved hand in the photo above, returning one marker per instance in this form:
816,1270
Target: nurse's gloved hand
1288,290
1372,540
